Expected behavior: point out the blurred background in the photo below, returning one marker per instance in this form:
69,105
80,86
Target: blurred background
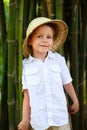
15,16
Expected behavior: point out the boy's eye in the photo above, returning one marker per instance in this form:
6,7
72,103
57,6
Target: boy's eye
50,37
39,36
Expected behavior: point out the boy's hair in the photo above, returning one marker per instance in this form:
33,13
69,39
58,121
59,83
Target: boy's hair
27,49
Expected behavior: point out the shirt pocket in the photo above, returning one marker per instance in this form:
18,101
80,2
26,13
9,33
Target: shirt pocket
56,73
32,76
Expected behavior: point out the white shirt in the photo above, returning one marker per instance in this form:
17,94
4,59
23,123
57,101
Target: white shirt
44,81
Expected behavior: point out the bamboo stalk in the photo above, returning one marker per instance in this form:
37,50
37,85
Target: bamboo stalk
42,8
85,120
25,16
82,57
11,65
20,53
67,13
74,54
48,5
59,14
52,15
86,79
4,107
74,43
71,18
16,64
67,18
32,10
59,9
19,37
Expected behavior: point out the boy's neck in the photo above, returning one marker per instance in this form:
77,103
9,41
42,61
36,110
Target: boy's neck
42,57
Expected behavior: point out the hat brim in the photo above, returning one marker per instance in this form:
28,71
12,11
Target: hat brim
61,30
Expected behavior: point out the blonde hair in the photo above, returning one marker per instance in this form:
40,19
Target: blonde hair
27,49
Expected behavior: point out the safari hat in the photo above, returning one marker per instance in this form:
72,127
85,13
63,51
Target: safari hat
60,29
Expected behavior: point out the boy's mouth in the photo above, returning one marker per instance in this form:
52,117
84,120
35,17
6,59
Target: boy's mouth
44,46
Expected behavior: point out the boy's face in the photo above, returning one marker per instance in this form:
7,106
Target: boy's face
41,40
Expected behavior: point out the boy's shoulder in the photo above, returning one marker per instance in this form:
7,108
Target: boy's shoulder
56,55
27,60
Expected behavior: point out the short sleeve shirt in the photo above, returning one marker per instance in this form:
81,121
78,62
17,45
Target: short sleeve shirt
44,81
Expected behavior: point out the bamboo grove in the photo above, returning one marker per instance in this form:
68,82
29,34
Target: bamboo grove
12,33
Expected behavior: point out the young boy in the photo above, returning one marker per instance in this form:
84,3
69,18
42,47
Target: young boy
45,77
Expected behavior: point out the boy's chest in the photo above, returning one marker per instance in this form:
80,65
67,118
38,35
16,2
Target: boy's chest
43,74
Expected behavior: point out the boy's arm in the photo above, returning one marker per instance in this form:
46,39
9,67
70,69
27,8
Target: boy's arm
69,89
24,124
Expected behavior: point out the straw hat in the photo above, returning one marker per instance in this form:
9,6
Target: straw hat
60,28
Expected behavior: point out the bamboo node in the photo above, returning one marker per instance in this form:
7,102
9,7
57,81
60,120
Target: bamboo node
20,19
11,103
12,41
40,7
11,75
60,3
16,5
12,3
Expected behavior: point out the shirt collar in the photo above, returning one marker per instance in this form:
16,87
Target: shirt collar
50,55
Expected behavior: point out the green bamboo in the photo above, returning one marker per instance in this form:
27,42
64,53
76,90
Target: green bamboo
71,17
3,110
19,37
85,120
59,14
42,8
74,54
59,9
16,64
52,15
11,65
20,41
67,13
32,10
25,17
74,43
86,79
82,55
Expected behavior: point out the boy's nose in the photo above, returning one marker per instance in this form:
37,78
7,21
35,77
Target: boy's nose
45,39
